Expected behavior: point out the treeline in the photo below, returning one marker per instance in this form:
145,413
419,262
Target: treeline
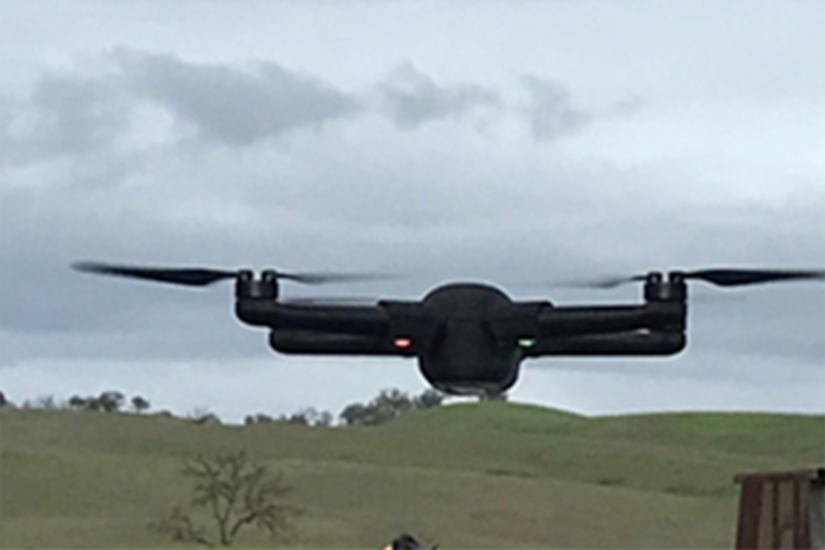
388,405
108,401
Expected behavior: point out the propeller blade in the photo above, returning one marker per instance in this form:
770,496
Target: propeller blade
605,282
726,277
741,277
178,276
205,276
320,278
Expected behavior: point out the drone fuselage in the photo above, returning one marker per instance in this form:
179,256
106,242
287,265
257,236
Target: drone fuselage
469,354
471,338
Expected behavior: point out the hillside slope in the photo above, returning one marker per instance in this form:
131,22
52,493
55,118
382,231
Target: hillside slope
487,475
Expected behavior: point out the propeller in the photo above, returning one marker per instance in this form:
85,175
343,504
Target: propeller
721,277
206,276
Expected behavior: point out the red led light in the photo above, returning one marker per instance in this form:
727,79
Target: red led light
402,342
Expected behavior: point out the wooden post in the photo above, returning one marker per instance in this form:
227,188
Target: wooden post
781,509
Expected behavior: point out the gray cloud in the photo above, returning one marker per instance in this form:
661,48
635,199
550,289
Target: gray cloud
550,112
72,115
67,114
236,106
413,98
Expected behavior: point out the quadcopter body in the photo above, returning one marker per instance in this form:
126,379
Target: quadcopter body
468,338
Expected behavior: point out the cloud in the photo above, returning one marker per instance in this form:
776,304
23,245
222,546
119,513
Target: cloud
550,112
413,98
100,108
66,115
235,105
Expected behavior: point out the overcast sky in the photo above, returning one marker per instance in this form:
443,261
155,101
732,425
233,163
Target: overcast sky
520,143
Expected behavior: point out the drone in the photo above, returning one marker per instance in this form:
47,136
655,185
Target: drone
468,338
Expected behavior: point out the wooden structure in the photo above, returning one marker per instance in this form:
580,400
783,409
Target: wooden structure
782,509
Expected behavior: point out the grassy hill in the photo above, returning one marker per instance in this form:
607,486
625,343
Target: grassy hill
487,475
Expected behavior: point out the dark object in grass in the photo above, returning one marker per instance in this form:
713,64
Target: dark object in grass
407,542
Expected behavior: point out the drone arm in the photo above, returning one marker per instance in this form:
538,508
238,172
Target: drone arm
353,320
654,328
310,342
619,344
324,330
555,322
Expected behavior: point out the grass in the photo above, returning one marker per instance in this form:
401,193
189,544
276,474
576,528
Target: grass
486,475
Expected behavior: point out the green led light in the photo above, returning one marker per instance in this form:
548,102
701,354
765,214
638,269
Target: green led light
527,342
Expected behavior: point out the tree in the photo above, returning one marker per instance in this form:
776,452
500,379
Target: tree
110,401
428,399
179,527
139,404
309,416
493,396
259,418
77,402
388,405
299,418
3,400
202,415
353,414
235,492
324,419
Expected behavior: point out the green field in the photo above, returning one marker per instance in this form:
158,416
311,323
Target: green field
486,475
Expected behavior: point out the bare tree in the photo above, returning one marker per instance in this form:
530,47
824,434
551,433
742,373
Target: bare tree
180,528
236,493
45,402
